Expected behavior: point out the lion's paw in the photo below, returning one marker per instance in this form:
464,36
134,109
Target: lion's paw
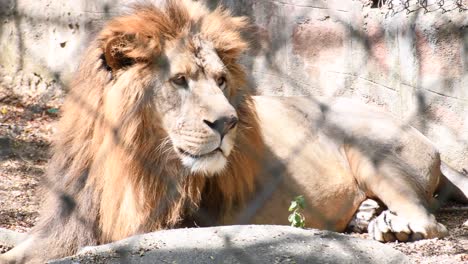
389,227
368,210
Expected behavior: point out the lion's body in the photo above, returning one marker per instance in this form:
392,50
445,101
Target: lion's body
159,131
335,153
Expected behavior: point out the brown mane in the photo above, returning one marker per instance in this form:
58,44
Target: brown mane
113,174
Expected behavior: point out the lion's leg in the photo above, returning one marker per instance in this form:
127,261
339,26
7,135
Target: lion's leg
453,185
406,196
408,217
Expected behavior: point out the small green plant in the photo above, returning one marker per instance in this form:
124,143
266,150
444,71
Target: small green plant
296,218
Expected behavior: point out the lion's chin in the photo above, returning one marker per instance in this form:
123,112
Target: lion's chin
208,166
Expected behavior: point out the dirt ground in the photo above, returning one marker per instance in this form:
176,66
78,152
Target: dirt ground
25,133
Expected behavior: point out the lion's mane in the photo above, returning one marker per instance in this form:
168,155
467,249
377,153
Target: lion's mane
111,148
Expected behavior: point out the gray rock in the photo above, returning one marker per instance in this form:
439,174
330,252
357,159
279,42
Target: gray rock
239,244
10,238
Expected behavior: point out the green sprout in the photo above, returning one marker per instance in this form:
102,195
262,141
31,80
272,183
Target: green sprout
296,218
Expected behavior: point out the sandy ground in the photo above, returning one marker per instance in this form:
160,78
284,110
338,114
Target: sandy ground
25,133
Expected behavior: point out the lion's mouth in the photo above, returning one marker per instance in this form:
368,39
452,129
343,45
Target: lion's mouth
199,156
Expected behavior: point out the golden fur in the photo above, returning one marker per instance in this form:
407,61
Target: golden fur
115,137
112,174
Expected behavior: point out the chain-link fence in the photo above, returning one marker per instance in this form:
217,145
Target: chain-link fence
427,6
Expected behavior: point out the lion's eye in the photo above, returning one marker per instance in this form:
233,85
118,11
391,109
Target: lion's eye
221,81
179,80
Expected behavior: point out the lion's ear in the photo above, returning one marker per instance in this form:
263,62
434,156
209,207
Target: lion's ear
124,50
226,33
116,52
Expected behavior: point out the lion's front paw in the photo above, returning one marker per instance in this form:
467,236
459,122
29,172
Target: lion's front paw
388,227
368,210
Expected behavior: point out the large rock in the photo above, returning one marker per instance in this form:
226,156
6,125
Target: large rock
10,238
240,244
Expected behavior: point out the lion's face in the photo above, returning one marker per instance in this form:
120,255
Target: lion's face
192,61
194,105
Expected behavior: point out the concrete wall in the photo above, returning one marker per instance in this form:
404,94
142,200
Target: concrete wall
41,42
409,59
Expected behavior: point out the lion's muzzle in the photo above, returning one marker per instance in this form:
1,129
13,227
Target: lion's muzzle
222,125
203,142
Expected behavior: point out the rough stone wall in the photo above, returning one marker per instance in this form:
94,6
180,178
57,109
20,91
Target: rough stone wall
41,42
408,57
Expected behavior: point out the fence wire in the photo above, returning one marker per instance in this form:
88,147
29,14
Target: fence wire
410,6
276,170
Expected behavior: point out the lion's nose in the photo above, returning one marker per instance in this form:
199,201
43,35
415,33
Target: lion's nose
223,124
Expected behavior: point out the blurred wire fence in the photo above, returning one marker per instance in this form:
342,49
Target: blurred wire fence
286,61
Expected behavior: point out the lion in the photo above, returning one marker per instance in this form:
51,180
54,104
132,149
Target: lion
160,130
